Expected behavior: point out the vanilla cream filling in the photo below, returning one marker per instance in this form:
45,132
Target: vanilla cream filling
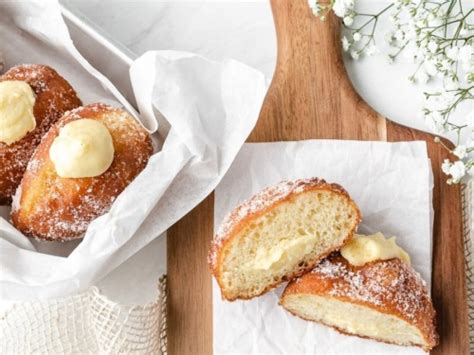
17,101
83,148
283,254
363,249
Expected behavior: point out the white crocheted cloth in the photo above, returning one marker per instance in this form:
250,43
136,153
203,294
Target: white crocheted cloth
87,323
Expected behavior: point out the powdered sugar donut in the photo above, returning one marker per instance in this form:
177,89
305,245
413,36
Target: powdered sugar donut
53,97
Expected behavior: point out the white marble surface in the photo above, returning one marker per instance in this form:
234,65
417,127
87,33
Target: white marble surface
242,30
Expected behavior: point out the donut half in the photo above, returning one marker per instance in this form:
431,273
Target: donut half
382,300
280,233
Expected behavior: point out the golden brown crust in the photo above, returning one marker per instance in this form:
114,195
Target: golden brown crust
391,286
259,204
54,96
54,208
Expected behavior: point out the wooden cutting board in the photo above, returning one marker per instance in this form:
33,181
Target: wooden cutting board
312,97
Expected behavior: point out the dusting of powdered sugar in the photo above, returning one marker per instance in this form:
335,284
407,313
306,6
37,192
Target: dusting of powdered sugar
67,206
260,202
380,283
53,97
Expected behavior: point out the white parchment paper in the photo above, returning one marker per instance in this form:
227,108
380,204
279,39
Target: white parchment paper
390,182
207,111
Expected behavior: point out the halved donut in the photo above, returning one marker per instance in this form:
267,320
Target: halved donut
280,233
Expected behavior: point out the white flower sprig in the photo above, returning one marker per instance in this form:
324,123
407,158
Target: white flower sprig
438,35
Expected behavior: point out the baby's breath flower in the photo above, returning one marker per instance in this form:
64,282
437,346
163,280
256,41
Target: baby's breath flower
430,67
434,121
420,23
343,7
452,53
421,77
348,20
469,77
432,46
389,37
460,151
356,37
446,166
315,7
457,171
345,43
371,50
399,35
445,65
355,55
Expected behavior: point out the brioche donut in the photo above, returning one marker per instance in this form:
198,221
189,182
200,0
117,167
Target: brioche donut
384,300
280,233
50,207
53,97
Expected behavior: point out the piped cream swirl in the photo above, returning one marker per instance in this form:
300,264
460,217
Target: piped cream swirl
17,101
83,148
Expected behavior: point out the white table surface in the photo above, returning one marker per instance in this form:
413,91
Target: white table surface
242,30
